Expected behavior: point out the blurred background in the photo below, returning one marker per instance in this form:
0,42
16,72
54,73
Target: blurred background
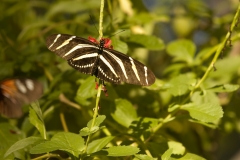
25,25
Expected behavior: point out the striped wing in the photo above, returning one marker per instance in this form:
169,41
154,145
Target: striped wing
81,53
126,68
107,64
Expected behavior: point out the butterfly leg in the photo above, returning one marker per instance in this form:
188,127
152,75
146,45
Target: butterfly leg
96,87
104,89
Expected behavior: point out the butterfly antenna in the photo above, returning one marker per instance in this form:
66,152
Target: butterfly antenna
117,33
92,19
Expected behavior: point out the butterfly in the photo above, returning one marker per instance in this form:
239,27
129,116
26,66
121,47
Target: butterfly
99,59
16,92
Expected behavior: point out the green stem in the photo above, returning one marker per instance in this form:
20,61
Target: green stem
221,46
101,19
94,115
100,84
218,52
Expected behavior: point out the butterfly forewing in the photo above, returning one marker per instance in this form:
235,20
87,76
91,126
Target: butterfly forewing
16,92
106,64
66,46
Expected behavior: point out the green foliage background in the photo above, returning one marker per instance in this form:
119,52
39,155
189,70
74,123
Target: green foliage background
178,117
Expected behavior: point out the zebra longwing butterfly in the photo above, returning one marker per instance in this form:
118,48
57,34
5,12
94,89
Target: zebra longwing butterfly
99,59
16,92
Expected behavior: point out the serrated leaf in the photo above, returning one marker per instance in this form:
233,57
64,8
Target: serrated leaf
167,154
45,147
182,50
206,112
210,125
147,41
98,121
33,118
69,142
98,144
177,147
124,113
224,88
160,148
181,84
144,157
190,156
121,151
205,96
226,69
144,124
86,131
23,143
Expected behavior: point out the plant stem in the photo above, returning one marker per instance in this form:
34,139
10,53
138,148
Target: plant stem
101,19
94,115
219,51
100,84
221,46
63,121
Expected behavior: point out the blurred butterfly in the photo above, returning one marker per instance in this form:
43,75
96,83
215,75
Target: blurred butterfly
16,92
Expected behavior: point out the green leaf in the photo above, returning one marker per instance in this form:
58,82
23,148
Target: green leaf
226,69
34,119
160,148
69,142
180,85
144,124
86,91
73,6
190,156
224,88
8,135
205,112
167,154
173,108
144,157
23,143
98,121
37,110
119,45
182,50
201,97
122,151
85,131
177,147
124,113
147,41
98,144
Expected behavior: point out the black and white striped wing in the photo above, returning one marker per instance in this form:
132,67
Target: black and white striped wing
107,64
125,68
81,53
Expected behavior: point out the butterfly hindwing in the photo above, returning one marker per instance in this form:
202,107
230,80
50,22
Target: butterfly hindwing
16,92
130,70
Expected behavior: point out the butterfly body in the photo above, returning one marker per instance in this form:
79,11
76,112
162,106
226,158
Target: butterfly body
99,59
16,92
